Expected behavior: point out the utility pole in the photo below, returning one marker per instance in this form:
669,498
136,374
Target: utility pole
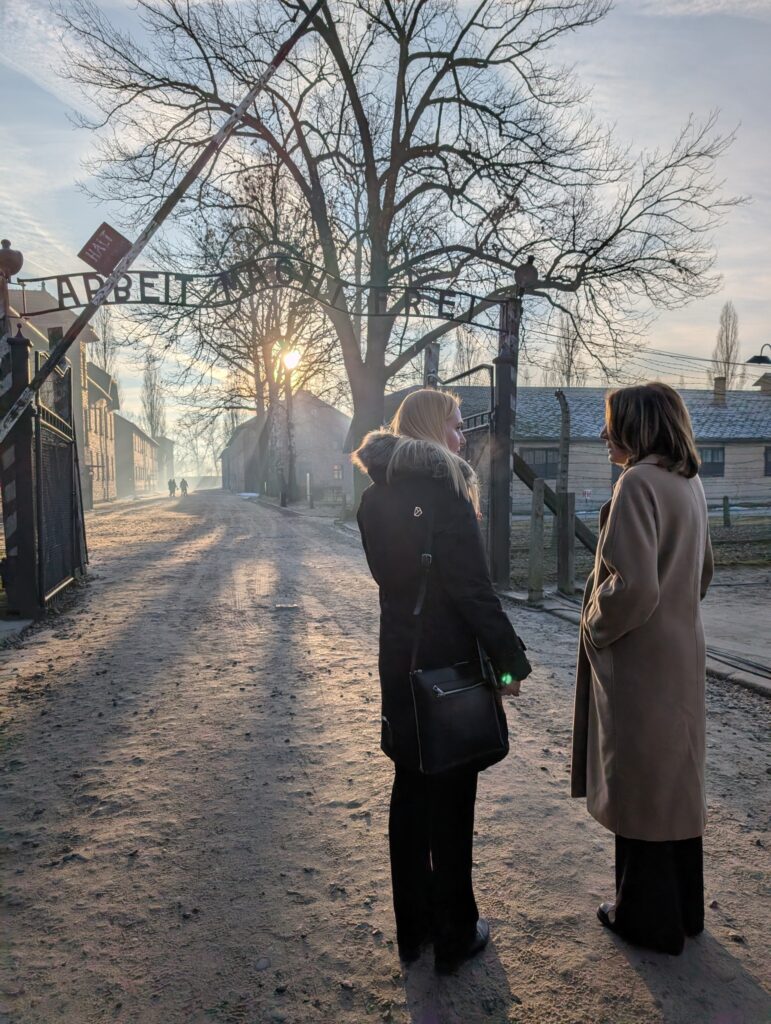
291,483
431,365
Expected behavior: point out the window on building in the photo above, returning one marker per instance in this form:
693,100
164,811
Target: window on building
712,461
337,472
767,469
544,462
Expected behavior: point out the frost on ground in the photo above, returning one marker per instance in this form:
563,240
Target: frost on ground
194,807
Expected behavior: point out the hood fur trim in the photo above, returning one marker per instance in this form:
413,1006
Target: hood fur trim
377,448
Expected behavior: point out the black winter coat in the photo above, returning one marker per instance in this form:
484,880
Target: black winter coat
460,605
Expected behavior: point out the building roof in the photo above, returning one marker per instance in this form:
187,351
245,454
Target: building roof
746,415
105,383
122,423
256,423
32,299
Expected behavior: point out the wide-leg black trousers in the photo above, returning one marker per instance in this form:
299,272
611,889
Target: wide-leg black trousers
659,892
431,834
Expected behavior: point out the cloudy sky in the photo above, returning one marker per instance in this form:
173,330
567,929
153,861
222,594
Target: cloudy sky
650,64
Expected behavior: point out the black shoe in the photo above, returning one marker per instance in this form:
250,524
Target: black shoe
606,912
448,965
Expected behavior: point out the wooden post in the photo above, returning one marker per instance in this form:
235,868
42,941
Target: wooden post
535,563
309,489
566,544
506,365
563,467
726,511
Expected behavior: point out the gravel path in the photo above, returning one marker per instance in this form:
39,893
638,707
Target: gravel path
194,808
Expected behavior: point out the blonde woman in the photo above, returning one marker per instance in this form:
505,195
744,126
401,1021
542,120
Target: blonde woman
416,468
639,729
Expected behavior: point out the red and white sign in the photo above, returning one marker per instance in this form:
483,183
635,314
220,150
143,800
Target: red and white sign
104,249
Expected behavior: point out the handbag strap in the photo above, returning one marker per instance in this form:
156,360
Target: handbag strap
426,559
425,568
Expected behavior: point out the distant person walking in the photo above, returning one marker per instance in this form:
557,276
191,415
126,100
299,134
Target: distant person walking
419,478
183,487
172,487
640,721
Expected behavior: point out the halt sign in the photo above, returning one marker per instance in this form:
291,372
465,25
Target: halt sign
104,249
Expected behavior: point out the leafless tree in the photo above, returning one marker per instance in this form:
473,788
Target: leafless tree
232,353
725,355
431,144
105,350
566,368
153,401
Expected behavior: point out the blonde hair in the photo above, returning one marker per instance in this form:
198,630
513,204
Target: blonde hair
422,417
652,419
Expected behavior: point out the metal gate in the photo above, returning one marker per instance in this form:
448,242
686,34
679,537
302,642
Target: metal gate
61,541
42,510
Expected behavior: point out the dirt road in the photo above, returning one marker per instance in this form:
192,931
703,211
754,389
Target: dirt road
194,808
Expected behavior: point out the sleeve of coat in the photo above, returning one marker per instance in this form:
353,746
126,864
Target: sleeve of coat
629,595
460,563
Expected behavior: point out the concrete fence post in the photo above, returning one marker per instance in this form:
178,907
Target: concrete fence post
566,543
535,563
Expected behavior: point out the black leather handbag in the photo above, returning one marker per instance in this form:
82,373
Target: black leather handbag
459,715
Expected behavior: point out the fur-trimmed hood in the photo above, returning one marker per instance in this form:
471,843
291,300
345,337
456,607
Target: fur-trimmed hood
427,459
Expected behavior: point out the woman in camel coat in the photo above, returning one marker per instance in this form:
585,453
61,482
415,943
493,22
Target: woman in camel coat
639,725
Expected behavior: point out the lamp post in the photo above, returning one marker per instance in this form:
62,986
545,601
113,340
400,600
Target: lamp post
760,358
291,360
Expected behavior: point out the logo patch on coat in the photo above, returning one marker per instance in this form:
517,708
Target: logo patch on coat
418,511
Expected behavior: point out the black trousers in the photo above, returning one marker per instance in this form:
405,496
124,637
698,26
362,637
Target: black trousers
659,892
431,834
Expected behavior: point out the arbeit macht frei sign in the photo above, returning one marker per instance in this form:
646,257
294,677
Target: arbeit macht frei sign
224,287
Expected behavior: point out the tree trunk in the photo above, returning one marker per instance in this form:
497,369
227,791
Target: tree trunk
368,414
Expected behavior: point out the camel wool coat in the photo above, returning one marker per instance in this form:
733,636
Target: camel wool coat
639,718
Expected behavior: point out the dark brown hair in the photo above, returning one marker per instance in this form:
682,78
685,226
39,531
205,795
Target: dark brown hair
652,419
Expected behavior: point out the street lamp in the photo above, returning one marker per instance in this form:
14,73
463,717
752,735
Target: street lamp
291,360
760,358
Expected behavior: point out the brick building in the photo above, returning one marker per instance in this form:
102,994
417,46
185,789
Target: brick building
136,459
99,434
254,457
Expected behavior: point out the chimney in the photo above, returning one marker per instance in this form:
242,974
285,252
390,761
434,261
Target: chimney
719,391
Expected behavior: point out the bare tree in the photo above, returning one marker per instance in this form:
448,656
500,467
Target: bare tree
431,144
566,368
725,355
153,402
471,348
105,350
232,352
